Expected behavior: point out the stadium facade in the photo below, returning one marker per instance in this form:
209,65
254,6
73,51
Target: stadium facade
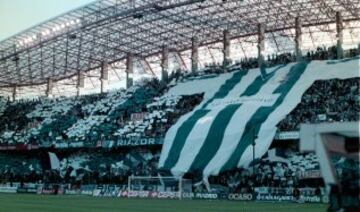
181,99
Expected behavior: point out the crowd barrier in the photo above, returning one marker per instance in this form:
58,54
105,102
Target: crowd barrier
261,194
143,141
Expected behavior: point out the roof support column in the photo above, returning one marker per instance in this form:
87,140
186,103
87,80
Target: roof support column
298,38
129,70
194,54
165,64
49,87
339,35
14,93
180,61
80,82
226,50
104,76
261,49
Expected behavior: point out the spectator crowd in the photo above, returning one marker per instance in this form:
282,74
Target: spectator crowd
145,111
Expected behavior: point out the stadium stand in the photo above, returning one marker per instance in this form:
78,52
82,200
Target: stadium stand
326,101
147,111
99,116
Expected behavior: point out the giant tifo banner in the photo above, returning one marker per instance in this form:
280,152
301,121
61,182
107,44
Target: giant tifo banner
239,107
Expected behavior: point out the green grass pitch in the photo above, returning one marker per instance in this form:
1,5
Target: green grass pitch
39,203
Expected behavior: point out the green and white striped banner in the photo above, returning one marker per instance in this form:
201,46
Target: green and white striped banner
218,134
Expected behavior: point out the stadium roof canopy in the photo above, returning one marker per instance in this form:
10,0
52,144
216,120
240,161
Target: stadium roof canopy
106,30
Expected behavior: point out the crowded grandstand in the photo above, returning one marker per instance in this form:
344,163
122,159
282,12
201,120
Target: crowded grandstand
182,99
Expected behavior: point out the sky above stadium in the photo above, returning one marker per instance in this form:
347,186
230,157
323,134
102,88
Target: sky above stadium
18,15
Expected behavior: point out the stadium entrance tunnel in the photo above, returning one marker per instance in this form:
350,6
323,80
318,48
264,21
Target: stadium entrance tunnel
337,148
